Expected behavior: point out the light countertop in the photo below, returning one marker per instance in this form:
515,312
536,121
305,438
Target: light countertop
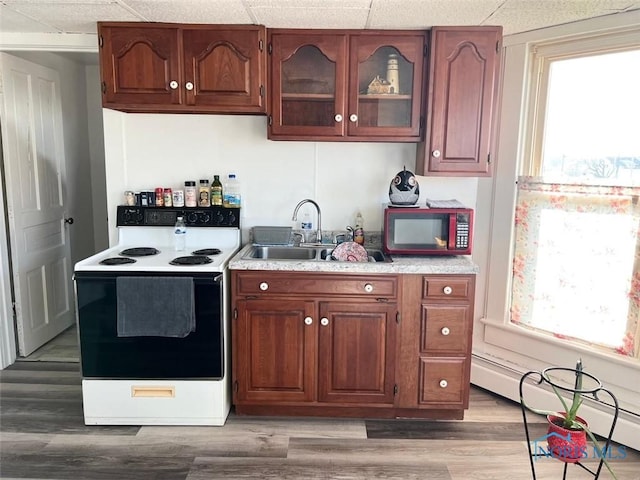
402,264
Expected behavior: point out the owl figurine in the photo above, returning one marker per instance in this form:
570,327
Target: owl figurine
404,188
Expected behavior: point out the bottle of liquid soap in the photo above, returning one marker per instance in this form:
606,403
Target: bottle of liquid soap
180,234
358,232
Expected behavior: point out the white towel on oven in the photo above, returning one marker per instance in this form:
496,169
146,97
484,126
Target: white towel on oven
155,306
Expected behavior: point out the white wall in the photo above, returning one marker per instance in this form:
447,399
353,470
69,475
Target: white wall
144,151
96,153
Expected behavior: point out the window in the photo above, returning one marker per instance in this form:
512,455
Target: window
576,267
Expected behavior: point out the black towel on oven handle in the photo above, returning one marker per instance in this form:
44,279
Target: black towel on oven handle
155,306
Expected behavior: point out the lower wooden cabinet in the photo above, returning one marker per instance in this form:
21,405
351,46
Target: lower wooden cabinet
436,342
351,345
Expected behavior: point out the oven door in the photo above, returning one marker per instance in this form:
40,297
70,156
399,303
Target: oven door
103,354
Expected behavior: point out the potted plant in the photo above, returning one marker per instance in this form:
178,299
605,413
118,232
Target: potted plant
567,433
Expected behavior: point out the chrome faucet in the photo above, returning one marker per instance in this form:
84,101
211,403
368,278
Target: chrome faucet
295,217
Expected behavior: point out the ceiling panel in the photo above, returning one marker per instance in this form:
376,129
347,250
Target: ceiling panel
421,14
12,21
311,18
521,15
310,13
74,17
80,16
192,11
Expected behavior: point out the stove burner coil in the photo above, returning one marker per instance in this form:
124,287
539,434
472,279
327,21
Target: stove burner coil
192,260
207,251
117,261
140,251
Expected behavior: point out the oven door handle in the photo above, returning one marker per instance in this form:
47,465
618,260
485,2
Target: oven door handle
218,279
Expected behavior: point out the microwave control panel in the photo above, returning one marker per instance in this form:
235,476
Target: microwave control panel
462,231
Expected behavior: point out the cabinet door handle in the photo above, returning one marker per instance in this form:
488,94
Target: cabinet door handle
308,320
188,86
264,286
173,84
445,331
338,118
447,290
443,383
436,154
353,117
368,287
324,321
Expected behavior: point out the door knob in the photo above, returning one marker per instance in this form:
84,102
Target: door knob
69,220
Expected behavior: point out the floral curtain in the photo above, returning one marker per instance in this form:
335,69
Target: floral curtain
576,267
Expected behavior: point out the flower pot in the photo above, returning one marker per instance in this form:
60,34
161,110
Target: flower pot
565,444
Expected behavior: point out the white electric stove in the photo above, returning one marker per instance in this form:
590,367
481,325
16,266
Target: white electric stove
152,377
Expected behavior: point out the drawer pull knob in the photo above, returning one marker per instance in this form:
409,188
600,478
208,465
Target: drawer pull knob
188,86
173,84
436,154
447,290
368,287
338,118
324,321
264,286
443,384
353,118
445,331
308,320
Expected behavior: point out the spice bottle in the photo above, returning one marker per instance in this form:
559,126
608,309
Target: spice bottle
167,197
203,198
216,191
190,194
159,197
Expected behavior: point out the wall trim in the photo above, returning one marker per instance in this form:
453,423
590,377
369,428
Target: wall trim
504,380
50,42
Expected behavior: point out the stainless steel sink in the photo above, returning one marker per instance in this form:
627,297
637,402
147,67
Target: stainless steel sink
305,253
282,253
374,255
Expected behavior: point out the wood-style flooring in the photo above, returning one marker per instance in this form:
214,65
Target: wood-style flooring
43,436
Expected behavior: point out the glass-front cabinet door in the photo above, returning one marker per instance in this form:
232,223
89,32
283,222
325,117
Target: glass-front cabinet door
346,85
385,85
308,85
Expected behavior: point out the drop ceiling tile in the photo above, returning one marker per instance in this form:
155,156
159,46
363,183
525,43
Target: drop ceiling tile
427,13
14,22
304,4
312,16
192,11
524,15
75,17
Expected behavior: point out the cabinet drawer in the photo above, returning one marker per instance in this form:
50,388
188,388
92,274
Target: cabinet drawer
443,381
447,287
445,328
267,283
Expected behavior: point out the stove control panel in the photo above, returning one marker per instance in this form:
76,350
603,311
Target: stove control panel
166,216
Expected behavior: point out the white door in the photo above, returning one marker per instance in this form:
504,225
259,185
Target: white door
33,149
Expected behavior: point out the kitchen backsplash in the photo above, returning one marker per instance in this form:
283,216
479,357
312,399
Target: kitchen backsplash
146,150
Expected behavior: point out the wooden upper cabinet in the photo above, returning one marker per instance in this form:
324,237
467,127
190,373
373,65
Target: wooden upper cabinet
463,79
139,65
308,84
337,85
183,68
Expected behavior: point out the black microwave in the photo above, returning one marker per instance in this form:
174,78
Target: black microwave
427,231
